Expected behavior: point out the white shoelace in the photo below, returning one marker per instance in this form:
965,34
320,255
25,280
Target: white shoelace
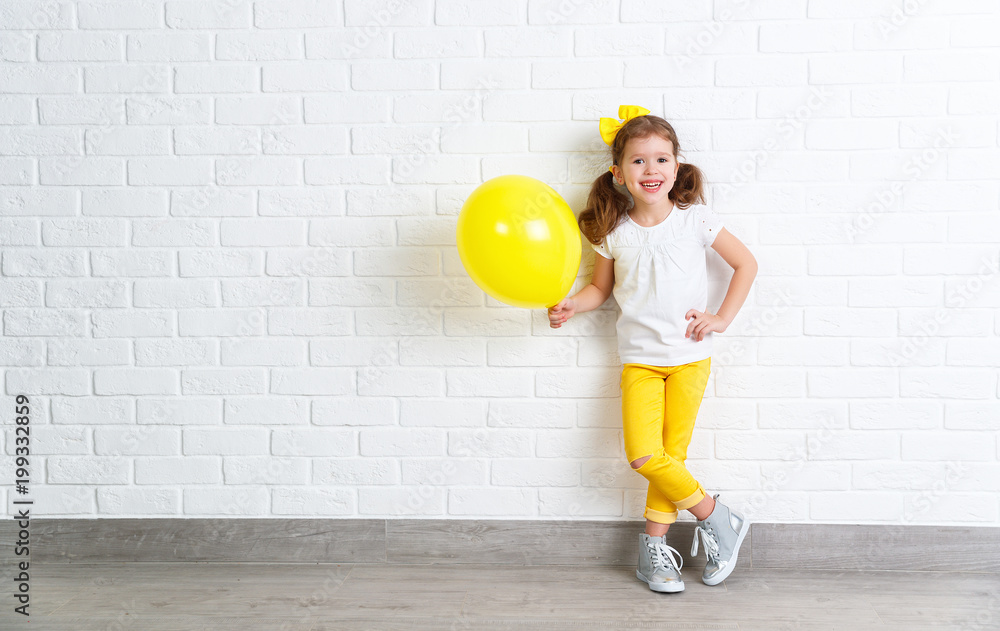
710,542
661,549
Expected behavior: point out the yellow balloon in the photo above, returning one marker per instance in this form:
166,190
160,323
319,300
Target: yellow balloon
519,241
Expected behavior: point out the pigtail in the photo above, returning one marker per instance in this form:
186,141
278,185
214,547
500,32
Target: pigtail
606,208
689,186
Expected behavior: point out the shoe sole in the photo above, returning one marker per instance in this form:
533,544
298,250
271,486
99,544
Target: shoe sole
736,554
661,587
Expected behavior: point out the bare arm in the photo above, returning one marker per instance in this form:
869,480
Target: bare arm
596,293
745,265
590,297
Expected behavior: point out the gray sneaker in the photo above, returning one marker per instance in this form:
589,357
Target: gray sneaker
658,566
722,533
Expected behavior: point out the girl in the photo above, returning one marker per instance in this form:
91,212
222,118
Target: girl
651,255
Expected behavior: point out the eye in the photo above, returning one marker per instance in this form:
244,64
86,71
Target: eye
664,159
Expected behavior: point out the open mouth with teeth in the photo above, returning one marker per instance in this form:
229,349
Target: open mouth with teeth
651,186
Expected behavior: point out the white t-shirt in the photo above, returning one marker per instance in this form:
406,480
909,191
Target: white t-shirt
660,274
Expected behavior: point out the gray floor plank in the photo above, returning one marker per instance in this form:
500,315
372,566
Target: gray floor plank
871,583
949,609
509,542
529,542
874,547
519,624
143,594
173,623
209,539
322,597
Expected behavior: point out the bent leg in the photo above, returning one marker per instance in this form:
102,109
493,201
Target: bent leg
671,485
684,390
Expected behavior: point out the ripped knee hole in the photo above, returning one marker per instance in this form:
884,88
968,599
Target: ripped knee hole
638,462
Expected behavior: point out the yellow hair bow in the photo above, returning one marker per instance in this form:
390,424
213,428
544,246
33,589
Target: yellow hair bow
610,126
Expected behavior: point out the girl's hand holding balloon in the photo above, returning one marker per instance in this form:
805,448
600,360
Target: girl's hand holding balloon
561,312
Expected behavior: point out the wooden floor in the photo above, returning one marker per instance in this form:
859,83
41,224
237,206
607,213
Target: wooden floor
158,596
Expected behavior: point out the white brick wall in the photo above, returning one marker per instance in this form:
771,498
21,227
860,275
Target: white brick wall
229,281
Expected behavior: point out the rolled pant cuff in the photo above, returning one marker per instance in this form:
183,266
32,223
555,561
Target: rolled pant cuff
693,499
659,516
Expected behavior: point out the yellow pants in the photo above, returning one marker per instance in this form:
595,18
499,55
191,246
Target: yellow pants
659,407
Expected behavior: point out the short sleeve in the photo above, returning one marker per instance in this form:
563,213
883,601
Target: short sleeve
709,225
602,248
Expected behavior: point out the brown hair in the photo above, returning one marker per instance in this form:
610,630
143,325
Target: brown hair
607,206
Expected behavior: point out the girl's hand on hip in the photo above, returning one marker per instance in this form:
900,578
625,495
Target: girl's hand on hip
561,311
703,323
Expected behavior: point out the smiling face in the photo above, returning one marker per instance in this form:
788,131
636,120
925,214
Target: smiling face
648,169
